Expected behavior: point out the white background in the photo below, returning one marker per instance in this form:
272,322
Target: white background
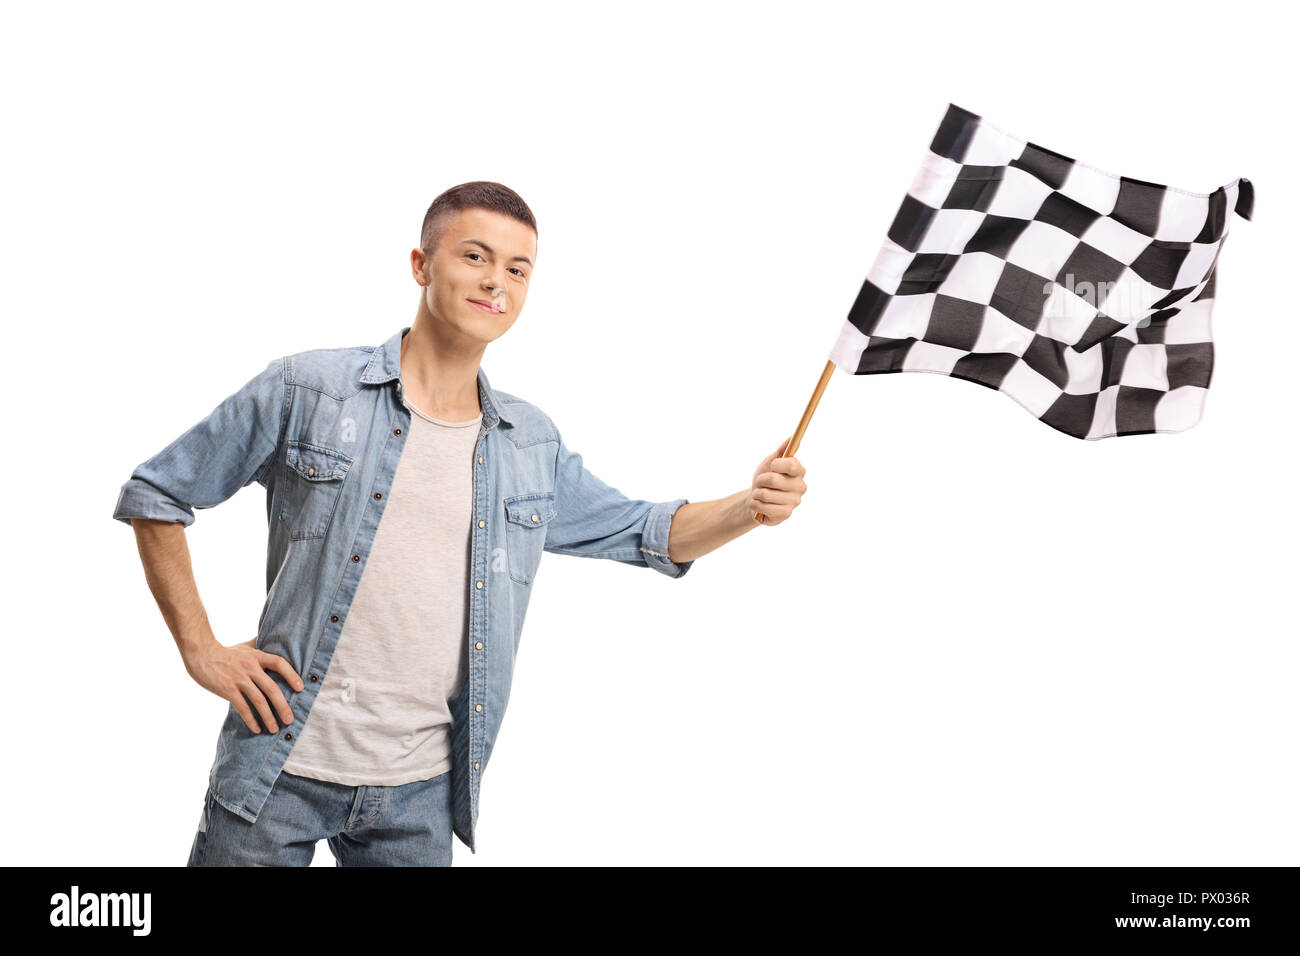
978,640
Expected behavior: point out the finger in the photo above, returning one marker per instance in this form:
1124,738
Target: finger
273,694
788,466
771,515
255,697
779,482
776,510
244,712
283,668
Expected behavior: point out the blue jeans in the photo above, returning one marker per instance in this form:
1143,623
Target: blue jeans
408,825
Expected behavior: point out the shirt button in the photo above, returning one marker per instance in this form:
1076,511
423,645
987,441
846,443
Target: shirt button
356,557
288,736
311,471
378,495
479,585
397,431
478,646
475,764
480,459
535,518
312,678
482,523
479,708
334,617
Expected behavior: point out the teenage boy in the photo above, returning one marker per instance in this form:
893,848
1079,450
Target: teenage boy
409,504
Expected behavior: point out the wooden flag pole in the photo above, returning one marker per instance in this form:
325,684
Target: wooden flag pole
793,446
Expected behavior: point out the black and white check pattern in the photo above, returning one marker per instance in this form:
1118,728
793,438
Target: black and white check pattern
1084,296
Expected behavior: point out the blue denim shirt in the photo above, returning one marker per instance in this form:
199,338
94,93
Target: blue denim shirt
322,432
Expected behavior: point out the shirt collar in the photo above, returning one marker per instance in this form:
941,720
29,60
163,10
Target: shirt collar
386,364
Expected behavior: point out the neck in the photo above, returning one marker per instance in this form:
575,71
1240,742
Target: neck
438,378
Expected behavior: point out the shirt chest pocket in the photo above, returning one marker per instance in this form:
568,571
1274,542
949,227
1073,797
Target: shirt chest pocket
526,518
312,487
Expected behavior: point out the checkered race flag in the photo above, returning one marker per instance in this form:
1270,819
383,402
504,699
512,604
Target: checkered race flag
1084,296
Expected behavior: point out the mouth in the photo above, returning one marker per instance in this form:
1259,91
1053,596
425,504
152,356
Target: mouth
487,306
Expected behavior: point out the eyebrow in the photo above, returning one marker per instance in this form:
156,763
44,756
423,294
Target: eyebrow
488,249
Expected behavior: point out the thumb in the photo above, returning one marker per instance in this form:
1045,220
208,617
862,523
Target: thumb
773,456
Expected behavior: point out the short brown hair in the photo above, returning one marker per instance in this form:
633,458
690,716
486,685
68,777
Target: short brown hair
493,197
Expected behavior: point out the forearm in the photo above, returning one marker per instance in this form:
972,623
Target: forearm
165,555
699,527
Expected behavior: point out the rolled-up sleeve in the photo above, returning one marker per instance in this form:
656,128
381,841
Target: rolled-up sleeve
595,520
231,448
654,539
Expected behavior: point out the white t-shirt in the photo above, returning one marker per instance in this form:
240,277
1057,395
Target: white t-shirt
382,716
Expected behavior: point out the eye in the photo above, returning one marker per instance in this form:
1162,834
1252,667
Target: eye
520,273
472,254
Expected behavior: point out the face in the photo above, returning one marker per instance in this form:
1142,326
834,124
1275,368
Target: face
480,252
